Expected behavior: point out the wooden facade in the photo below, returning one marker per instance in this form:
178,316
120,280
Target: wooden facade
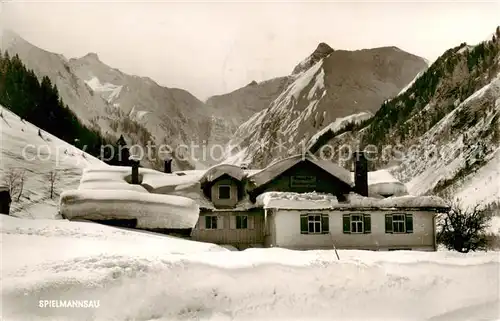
304,177
228,231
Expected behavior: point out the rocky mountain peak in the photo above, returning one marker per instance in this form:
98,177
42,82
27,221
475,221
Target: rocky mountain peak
321,51
91,56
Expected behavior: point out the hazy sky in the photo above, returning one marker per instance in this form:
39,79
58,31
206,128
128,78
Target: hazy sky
211,48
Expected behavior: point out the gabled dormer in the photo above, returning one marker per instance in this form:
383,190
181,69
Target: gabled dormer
223,185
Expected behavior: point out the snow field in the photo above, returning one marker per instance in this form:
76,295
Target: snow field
143,276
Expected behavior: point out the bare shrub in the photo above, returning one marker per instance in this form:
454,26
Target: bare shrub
52,178
464,229
14,179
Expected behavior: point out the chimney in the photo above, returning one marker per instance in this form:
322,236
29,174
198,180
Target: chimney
168,166
361,174
135,171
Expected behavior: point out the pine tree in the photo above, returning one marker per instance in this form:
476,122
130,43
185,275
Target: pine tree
39,103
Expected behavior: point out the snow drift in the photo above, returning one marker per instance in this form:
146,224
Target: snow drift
382,182
144,276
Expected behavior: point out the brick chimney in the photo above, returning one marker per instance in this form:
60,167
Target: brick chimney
135,171
168,166
360,173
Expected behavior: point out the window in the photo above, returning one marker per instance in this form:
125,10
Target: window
211,222
356,223
399,223
314,224
224,192
241,222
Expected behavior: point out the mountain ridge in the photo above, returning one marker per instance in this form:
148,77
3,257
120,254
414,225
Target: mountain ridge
450,113
339,84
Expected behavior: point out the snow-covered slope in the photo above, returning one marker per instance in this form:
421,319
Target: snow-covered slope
23,150
461,150
339,124
328,85
483,186
441,135
238,106
143,276
109,91
411,83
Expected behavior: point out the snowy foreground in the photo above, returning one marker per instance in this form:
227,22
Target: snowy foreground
144,276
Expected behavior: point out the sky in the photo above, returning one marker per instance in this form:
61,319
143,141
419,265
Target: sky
211,48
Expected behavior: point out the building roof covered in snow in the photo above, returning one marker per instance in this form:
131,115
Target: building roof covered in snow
318,201
279,167
219,170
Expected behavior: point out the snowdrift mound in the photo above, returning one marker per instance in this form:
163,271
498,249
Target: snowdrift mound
382,182
150,210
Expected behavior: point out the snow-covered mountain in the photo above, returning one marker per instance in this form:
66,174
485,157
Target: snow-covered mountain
327,85
117,103
26,153
441,133
91,109
238,106
168,113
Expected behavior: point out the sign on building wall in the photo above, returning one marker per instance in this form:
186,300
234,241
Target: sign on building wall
303,181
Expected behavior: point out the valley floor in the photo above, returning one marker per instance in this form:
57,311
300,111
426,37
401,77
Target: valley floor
144,276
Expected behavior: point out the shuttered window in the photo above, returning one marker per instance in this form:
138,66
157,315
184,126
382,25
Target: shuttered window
346,223
356,223
399,223
314,224
303,224
367,223
325,224
409,223
388,223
